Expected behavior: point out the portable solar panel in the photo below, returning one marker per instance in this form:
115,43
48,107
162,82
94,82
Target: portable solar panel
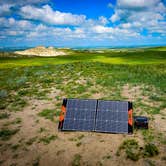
112,116
96,115
80,115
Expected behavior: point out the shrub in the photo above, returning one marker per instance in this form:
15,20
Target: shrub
150,150
131,149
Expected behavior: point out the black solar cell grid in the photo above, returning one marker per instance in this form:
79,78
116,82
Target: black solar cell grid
112,116
80,115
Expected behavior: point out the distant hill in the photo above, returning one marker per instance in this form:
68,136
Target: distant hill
42,51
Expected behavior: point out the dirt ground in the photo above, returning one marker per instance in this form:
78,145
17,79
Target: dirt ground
92,148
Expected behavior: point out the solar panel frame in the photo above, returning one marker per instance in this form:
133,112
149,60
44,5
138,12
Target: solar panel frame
96,115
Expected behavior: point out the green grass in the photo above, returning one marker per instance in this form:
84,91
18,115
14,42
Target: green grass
49,113
6,134
77,159
131,148
4,115
134,152
107,72
148,135
145,57
47,139
150,150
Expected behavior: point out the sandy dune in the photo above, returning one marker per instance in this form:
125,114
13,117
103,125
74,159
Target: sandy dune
42,51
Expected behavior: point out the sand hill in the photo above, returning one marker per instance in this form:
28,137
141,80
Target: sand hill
42,51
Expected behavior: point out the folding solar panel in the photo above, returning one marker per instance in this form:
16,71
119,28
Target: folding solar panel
96,115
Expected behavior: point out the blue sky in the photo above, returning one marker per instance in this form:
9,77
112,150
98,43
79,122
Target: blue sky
73,23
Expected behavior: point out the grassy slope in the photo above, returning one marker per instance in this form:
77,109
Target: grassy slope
135,57
105,74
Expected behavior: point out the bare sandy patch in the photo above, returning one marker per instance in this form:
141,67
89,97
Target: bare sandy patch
160,123
41,51
131,93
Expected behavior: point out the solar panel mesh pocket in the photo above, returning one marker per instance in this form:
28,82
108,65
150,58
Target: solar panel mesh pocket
112,116
80,115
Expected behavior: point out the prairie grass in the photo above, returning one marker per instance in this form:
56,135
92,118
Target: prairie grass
6,134
47,139
85,74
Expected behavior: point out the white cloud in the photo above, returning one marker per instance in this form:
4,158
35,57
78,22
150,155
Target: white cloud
110,5
136,4
48,15
5,9
101,29
103,20
44,23
11,23
139,14
22,2
115,17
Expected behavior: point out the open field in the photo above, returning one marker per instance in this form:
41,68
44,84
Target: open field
31,93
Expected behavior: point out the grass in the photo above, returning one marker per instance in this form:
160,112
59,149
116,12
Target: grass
6,134
145,57
77,159
49,113
42,129
150,150
148,135
134,152
15,147
107,157
78,144
47,139
131,148
4,115
17,121
59,152
31,141
83,75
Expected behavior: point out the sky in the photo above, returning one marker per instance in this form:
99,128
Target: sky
82,23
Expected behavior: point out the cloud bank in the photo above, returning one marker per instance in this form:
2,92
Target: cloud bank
35,21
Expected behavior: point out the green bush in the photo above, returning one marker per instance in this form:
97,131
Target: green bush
133,151
131,148
150,150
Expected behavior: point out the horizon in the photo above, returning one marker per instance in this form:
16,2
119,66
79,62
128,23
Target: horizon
110,23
